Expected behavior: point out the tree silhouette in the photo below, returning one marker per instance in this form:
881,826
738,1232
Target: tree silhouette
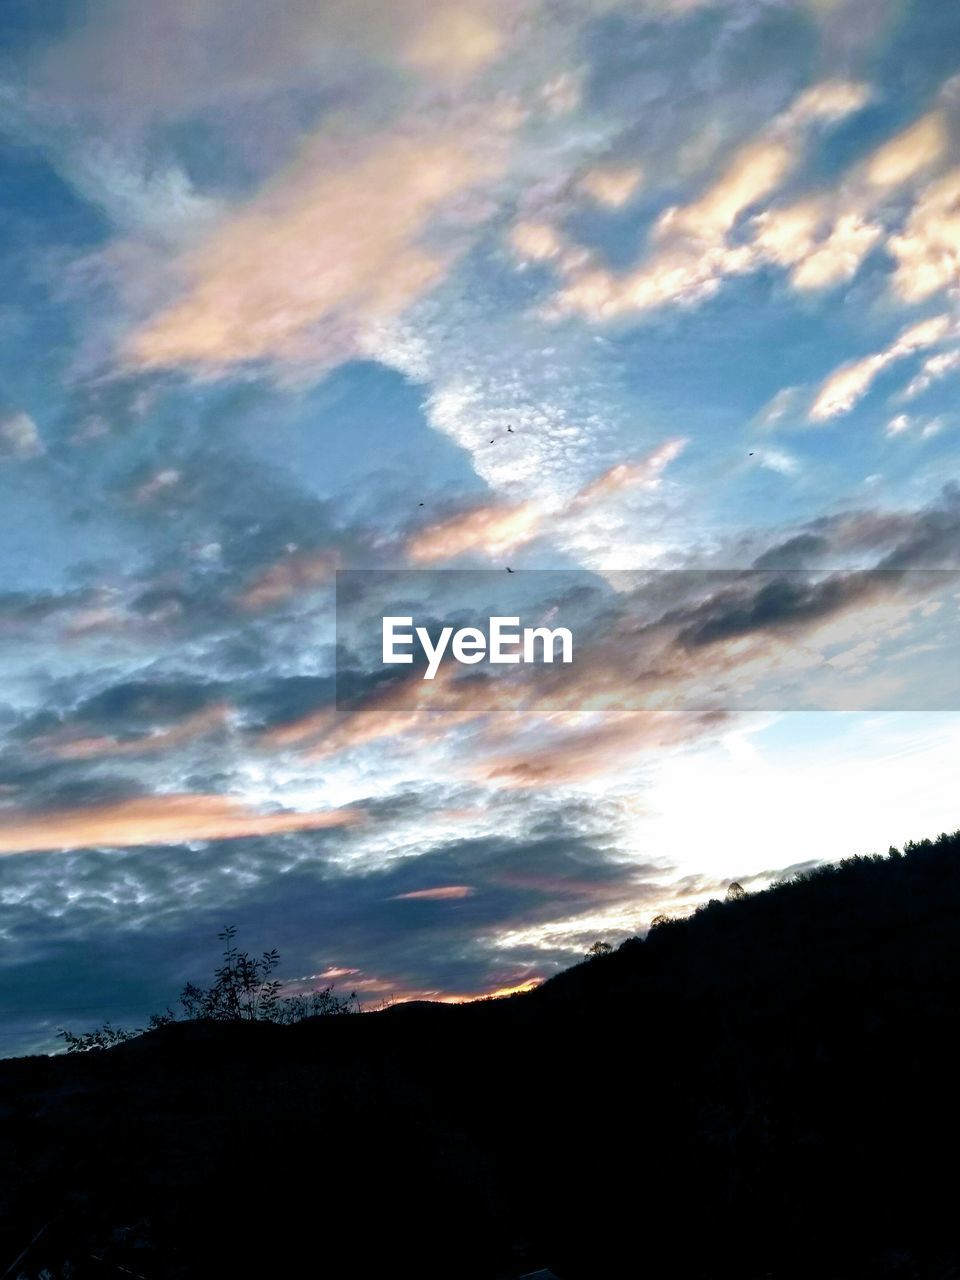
599,949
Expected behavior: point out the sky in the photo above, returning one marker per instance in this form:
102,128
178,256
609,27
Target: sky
654,303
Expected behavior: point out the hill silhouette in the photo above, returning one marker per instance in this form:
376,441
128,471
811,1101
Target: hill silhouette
766,1089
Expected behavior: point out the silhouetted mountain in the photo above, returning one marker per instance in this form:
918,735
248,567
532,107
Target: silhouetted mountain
766,1089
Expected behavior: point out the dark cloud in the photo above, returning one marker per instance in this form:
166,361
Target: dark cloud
932,539
762,605
154,913
21,608
51,785
796,553
928,538
142,704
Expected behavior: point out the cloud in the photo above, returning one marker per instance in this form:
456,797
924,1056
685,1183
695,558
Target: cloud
903,422
797,552
692,249
369,932
536,241
70,745
776,604
909,153
332,247
932,370
489,530
670,659
439,893
782,406
927,251
581,754
452,41
292,576
644,473
219,578
851,382
818,261
891,539
20,438
158,484
493,530
824,238
178,58
158,819
778,460
821,239
612,186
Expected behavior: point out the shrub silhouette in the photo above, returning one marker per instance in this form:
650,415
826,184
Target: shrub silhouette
242,991
102,1038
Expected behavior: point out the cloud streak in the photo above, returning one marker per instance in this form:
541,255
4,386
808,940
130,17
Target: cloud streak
846,386
159,819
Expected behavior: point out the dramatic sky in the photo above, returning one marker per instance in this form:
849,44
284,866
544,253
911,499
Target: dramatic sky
276,280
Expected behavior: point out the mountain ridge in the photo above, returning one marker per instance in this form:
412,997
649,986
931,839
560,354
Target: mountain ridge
760,1089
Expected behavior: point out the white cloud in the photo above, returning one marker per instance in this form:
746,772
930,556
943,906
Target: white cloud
785,464
20,438
851,382
783,405
932,370
692,249
612,185
928,249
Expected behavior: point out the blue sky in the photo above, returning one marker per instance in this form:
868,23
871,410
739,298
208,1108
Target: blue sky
273,277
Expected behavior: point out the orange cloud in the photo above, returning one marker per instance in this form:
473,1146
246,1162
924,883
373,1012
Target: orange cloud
537,241
928,250
692,248
654,680
159,819
292,576
456,41
442,893
579,754
490,530
333,247
433,707
910,152
495,529
644,473
303,729
511,989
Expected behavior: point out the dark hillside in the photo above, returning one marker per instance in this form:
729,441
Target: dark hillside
767,1089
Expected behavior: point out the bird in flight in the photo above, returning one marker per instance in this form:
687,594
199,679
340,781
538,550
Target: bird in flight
509,570
511,430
